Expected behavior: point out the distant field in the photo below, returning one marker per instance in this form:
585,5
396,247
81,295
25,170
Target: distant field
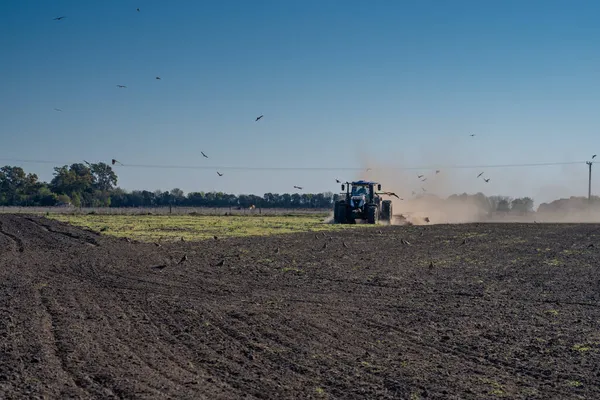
195,227
165,210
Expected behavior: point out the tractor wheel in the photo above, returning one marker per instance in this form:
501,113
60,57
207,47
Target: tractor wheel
372,215
339,213
386,210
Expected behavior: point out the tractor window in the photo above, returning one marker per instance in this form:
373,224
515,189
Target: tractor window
359,190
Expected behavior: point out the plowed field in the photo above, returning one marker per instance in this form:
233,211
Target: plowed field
458,312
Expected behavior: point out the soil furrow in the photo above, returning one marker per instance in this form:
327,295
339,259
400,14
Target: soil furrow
15,239
512,313
57,348
49,228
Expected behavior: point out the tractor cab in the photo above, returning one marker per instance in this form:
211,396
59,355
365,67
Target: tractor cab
359,190
359,193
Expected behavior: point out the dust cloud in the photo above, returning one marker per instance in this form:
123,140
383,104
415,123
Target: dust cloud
420,200
430,199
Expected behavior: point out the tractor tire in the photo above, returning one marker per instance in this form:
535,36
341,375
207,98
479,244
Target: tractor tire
386,210
339,213
372,215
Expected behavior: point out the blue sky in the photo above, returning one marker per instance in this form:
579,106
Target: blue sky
340,84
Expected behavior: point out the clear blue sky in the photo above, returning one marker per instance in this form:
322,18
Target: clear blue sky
340,84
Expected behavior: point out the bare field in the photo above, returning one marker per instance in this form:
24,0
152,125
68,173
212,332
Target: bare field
465,311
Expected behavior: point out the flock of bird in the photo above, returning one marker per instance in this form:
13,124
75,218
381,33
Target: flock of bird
421,177
437,171
113,161
125,87
256,120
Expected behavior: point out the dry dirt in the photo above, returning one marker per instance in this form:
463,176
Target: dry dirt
513,312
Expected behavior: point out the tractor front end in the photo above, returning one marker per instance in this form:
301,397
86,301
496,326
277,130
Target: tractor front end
361,203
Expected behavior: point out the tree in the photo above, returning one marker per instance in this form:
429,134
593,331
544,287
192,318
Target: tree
499,203
503,205
177,196
16,186
522,205
118,198
105,178
72,181
44,197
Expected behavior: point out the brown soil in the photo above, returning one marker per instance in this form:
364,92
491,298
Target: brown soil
513,312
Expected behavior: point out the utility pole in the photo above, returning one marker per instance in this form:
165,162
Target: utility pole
589,163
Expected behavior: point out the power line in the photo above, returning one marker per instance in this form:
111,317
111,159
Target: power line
222,167
31,161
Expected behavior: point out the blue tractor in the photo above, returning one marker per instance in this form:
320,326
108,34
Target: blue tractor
362,203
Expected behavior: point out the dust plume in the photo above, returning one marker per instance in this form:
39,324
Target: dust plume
428,199
435,192
431,199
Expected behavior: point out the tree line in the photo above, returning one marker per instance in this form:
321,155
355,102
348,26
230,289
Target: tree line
95,185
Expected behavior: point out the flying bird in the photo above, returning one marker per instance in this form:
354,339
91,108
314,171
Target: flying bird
138,10
257,118
158,78
480,174
593,156
368,169
87,163
58,18
338,181
423,189
420,176
390,194
437,171
58,109
220,174
423,180
486,180
115,161
298,187
184,258
121,86
204,154
472,135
